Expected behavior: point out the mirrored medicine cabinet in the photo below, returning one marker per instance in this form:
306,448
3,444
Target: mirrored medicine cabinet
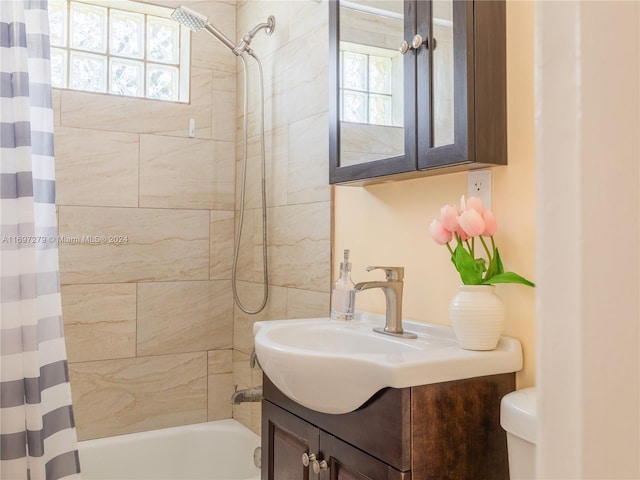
418,87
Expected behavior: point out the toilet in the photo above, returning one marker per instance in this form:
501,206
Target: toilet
518,418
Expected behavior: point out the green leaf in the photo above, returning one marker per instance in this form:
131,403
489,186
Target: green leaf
508,277
480,265
499,268
470,270
491,269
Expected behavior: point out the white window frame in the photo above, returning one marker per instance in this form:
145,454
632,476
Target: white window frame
396,87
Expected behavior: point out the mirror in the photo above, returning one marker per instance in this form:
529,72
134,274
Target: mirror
371,80
443,73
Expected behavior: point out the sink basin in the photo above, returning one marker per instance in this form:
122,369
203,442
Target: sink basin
333,366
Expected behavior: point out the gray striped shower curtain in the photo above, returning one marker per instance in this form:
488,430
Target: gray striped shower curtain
37,431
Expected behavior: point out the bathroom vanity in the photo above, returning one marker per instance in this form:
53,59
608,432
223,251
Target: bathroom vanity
441,431
343,402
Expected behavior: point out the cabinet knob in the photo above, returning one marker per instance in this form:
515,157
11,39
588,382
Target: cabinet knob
416,43
307,459
319,466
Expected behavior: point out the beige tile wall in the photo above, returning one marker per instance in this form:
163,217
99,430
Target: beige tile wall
153,337
149,319
295,61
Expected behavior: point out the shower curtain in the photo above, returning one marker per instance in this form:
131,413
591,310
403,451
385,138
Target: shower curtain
37,431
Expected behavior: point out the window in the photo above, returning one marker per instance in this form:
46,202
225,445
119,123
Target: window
118,47
367,91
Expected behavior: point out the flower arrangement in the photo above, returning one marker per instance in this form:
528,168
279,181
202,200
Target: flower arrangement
466,224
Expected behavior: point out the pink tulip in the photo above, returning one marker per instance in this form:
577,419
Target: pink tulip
471,222
490,224
474,203
462,234
439,233
449,217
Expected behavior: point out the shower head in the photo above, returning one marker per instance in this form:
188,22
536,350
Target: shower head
195,22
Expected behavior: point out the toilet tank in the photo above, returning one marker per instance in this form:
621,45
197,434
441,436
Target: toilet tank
518,416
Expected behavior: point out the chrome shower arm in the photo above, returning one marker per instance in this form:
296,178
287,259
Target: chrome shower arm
220,36
268,26
243,45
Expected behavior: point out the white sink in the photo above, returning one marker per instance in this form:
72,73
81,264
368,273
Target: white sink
334,366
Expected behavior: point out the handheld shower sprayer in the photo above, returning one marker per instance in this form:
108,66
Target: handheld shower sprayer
195,22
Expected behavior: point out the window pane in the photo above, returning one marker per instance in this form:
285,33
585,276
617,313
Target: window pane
380,74
354,106
126,78
380,109
88,72
58,67
162,82
354,71
88,27
162,39
119,47
58,22
126,34
443,73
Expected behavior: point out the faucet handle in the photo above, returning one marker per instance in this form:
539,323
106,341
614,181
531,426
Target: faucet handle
394,274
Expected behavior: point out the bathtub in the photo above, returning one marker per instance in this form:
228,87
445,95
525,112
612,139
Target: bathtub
220,450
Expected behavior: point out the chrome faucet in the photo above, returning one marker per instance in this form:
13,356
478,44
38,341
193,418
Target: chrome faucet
392,289
252,394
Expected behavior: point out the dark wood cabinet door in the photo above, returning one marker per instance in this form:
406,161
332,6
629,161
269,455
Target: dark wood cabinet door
285,438
445,87
348,463
461,99
364,149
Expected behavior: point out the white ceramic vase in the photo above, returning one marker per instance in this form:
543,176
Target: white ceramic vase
477,315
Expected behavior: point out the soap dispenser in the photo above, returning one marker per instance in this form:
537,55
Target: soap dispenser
343,295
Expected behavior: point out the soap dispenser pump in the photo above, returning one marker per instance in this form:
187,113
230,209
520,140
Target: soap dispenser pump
343,295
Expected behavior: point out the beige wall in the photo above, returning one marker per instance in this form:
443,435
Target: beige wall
588,107
149,322
152,335
387,224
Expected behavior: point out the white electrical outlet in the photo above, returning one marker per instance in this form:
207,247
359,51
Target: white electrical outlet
479,185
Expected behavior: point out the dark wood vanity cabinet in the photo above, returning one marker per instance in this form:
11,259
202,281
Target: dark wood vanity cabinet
445,431
290,437
441,108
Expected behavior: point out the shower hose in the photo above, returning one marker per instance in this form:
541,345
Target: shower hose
238,237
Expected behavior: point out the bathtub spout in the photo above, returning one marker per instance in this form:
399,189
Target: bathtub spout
253,394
